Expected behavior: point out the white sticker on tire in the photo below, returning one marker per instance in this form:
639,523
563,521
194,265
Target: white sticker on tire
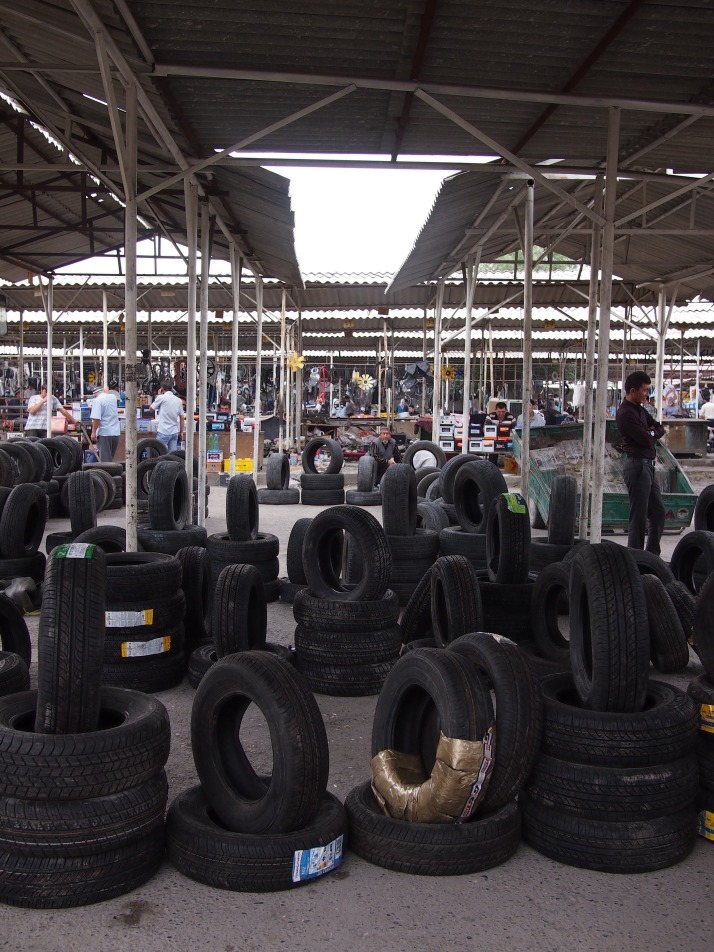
129,619
142,649
308,864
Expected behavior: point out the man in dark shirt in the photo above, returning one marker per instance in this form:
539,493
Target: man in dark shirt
385,451
639,432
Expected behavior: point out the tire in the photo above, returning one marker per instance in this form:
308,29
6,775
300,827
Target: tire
417,643
63,457
422,547
44,464
429,447
537,520
430,849
239,620
14,636
399,500
693,559
23,462
14,674
705,758
171,541
200,660
108,538
277,471
320,614
368,537
208,853
261,549
355,498
180,455
144,472
322,482
563,510
426,480
7,470
70,641
669,650
288,590
610,847
322,497
664,730
31,567
135,576
455,599
115,470
344,680
702,631
366,473
454,541
685,605
279,497
81,502
609,635
197,587
347,648
245,802
508,537
540,666
507,609
149,675
294,556
130,745
137,622
432,492
108,485
542,553
519,712
150,448
704,509
550,590
169,499
476,485
311,450
416,618
431,516
242,512
22,523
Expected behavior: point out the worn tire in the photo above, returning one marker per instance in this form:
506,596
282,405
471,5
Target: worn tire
669,650
366,473
399,500
279,497
314,446
429,447
355,498
239,620
22,522
455,599
563,510
693,559
277,471
476,486
508,537
81,502
550,595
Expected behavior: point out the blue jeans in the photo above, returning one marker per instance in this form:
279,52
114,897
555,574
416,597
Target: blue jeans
170,439
645,502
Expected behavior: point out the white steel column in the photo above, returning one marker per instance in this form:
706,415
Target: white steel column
64,368
662,325
281,394
471,277
50,319
258,369
203,361
608,242
527,388
436,400
236,271
289,391
105,341
130,348
21,374
191,201
81,362
585,487
696,380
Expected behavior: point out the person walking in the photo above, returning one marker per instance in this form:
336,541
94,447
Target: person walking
36,422
105,423
385,450
169,415
639,433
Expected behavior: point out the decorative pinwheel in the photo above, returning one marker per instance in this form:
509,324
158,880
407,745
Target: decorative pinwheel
365,382
296,362
448,372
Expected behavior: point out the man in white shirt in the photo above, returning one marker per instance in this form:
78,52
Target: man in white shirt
707,411
169,415
105,423
36,423
536,417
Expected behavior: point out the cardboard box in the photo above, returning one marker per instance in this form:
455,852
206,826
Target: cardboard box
214,466
241,466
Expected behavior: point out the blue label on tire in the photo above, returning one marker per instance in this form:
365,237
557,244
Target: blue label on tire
309,864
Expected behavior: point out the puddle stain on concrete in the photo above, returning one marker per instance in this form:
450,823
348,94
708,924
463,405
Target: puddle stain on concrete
134,912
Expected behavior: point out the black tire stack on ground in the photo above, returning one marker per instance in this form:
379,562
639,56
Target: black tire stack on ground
277,482
431,694
365,494
413,550
239,829
701,690
471,484
562,521
144,641
325,487
347,637
616,788
169,504
243,544
16,653
145,472
82,798
22,524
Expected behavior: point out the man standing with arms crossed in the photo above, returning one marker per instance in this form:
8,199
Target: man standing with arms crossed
639,433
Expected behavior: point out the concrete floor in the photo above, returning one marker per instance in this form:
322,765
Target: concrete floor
529,903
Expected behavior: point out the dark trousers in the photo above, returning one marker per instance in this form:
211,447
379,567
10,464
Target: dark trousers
645,502
382,465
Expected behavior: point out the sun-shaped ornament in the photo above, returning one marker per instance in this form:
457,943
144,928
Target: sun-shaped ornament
448,372
366,382
296,362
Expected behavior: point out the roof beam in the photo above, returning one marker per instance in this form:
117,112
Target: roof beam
425,28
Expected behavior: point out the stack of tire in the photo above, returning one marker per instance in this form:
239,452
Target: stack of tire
152,451
83,795
277,490
432,699
445,605
146,606
616,788
347,637
324,487
441,490
242,543
169,504
701,690
79,494
413,550
28,460
366,494
111,491
16,653
23,516
472,484
239,830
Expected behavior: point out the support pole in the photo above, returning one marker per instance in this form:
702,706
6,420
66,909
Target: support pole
21,369
608,243
50,328
191,200
527,388
659,364
236,273
280,397
81,362
258,369
696,381
130,348
472,267
289,392
64,368
436,401
105,341
203,360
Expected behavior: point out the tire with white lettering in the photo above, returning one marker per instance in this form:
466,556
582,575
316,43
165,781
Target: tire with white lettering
14,673
208,853
244,801
332,447
239,620
142,621
277,471
562,512
430,849
160,670
519,710
22,523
